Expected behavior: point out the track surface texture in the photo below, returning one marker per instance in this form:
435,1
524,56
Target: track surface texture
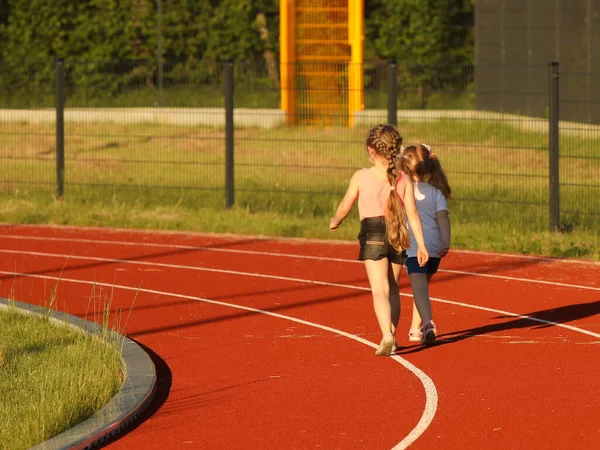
269,343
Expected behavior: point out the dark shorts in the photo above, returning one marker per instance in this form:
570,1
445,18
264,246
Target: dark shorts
374,244
412,265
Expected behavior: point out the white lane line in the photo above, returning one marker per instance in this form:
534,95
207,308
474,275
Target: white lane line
431,397
317,258
237,238
296,280
515,315
522,280
175,266
530,257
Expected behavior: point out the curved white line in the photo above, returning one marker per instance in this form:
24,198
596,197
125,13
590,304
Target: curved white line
431,397
297,280
318,258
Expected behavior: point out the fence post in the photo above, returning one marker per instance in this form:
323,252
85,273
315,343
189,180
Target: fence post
392,104
553,140
159,53
229,192
60,127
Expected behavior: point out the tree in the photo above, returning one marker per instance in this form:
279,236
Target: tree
417,32
233,32
432,41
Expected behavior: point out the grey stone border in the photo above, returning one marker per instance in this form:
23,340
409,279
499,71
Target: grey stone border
137,390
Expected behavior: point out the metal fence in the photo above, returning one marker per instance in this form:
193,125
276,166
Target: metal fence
215,135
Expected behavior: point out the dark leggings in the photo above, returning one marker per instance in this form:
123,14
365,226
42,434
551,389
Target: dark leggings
420,287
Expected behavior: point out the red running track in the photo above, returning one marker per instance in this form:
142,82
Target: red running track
269,343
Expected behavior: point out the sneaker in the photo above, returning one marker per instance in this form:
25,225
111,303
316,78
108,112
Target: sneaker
395,347
429,334
385,347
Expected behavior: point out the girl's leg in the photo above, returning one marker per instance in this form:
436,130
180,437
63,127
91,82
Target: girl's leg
420,288
416,322
377,272
394,272
420,285
414,334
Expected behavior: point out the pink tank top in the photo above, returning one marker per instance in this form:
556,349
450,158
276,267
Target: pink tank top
373,194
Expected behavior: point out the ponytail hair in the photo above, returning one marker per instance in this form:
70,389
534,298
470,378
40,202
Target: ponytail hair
420,163
437,178
386,142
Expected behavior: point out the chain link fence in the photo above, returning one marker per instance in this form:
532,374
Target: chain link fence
213,134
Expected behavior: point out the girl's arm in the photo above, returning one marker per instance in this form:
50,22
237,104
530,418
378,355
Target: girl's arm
415,223
346,204
444,224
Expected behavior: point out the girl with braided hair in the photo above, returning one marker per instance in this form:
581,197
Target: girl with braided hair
385,200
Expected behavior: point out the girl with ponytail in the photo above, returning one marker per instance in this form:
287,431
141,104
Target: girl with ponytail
385,202
431,189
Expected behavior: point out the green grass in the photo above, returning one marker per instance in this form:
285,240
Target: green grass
289,180
51,377
248,94
471,235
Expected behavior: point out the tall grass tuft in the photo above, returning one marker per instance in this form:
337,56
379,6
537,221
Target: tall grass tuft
53,375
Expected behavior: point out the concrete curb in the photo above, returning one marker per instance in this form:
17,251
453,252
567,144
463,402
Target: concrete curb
135,394
272,117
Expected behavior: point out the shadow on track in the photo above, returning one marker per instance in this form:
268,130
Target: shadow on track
532,320
163,388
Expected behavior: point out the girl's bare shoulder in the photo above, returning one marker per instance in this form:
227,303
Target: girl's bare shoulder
358,173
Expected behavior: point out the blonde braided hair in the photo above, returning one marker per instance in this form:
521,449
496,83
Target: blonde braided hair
386,142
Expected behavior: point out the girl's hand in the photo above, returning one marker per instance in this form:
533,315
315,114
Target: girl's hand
422,256
334,224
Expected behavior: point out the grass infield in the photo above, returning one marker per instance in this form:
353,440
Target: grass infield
52,377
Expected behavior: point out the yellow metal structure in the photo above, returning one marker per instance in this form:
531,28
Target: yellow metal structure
321,57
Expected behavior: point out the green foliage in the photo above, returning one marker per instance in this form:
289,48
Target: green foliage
414,31
422,32
432,41
234,32
116,48
186,25
86,29
37,32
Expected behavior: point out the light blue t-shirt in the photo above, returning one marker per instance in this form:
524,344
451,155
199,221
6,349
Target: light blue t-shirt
429,201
